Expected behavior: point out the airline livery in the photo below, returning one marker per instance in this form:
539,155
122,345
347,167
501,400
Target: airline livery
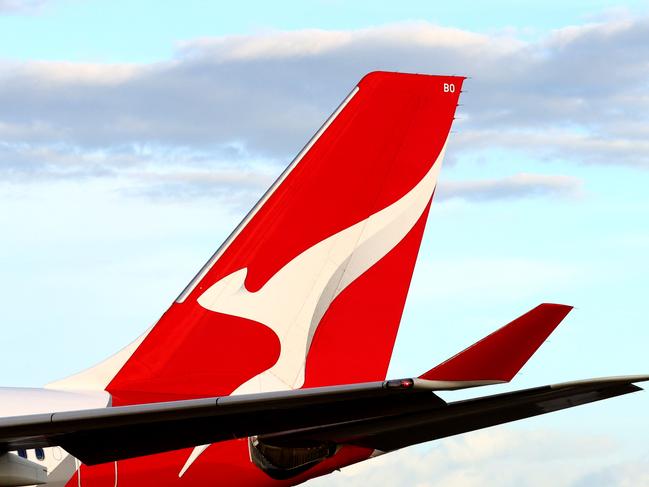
270,367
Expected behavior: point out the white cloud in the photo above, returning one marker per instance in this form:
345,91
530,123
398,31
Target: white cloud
261,96
316,42
20,6
69,73
498,457
627,147
512,187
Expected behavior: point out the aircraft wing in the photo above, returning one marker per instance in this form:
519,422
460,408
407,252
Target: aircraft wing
382,415
401,430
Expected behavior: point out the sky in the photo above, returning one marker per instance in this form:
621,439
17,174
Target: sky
135,135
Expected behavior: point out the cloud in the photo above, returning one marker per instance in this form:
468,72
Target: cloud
260,97
497,457
237,187
20,6
241,186
513,187
628,474
630,149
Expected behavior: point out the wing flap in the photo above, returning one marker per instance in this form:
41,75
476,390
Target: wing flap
388,434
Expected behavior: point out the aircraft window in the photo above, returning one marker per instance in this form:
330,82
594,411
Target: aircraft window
40,454
22,453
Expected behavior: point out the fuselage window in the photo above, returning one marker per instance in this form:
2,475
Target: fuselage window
22,453
40,454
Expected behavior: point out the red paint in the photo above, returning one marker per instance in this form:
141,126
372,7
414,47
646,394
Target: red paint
194,353
355,338
376,150
502,354
98,475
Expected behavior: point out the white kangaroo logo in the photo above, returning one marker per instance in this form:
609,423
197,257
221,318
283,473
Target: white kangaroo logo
294,300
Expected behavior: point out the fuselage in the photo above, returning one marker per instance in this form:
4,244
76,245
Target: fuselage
225,463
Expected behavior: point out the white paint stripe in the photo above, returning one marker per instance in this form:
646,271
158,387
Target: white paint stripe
196,452
293,301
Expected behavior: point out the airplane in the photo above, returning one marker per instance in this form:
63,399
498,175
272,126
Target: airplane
269,369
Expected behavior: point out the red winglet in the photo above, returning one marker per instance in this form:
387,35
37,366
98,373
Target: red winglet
499,356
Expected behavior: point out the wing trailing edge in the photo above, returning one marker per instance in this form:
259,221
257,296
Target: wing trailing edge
392,433
381,415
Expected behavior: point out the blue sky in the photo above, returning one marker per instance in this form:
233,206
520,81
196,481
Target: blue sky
135,135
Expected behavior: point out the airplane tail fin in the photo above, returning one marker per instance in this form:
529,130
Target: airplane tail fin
310,287
498,357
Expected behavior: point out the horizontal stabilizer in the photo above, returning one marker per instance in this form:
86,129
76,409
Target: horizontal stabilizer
498,357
